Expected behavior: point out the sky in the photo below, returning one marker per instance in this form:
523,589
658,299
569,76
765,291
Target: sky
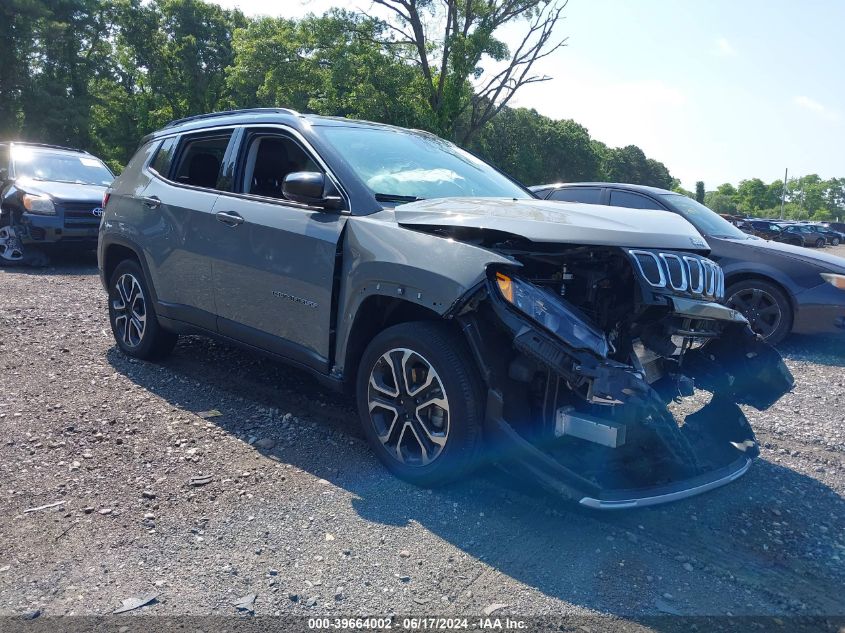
719,91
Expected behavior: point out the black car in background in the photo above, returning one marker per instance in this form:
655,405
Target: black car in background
769,230
49,196
780,288
812,236
834,237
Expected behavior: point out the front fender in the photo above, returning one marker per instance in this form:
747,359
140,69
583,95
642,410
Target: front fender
382,258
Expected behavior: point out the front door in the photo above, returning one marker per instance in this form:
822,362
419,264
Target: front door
275,260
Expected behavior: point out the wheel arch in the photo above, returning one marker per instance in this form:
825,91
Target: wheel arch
113,251
375,314
750,275
113,255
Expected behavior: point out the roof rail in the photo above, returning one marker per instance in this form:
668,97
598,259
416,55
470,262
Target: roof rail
211,115
49,146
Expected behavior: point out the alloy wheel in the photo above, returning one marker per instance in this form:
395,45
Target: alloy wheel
130,310
759,307
408,407
11,248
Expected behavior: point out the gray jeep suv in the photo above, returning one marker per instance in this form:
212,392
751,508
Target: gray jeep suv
472,321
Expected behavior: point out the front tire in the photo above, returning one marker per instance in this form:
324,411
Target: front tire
765,305
820,242
132,316
420,402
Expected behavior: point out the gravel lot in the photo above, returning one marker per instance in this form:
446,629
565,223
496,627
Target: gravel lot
299,513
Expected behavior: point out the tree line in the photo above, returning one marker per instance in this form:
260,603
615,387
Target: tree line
806,198
99,75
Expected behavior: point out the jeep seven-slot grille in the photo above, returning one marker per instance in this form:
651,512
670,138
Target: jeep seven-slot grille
80,215
681,273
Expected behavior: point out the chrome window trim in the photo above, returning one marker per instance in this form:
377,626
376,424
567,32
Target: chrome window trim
254,127
247,127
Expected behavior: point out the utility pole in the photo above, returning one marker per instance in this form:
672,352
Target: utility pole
783,191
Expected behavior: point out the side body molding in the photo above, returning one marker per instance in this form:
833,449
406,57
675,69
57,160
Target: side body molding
382,258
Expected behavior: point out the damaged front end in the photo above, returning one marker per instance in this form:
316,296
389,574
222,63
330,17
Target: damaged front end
597,359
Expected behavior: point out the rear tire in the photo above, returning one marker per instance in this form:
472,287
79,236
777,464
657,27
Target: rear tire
132,316
835,241
404,367
765,305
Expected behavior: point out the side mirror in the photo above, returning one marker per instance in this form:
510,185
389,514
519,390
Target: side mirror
311,187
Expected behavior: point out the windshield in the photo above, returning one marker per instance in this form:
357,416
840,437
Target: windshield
401,166
39,164
706,221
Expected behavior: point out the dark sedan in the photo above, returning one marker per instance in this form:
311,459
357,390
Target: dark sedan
811,235
771,231
834,238
780,288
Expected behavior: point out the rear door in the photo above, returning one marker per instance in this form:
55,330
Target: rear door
275,259
180,228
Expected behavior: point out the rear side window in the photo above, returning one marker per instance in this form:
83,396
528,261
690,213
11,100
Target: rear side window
164,157
199,159
632,200
587,195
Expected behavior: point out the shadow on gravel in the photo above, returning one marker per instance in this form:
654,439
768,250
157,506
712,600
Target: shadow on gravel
774,533
61,262
820,349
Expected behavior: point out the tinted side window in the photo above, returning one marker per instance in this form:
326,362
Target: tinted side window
587,195
199,159
632,200
268,159
164,156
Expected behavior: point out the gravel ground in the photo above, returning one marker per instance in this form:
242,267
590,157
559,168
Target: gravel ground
299,513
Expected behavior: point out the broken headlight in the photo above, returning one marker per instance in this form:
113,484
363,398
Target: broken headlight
552,312
42,205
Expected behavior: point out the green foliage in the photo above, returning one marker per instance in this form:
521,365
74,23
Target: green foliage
806,198
100,75
535,149
629,165
699,191
720,202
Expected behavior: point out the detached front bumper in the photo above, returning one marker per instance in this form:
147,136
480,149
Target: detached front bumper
527,460
737,368
624,499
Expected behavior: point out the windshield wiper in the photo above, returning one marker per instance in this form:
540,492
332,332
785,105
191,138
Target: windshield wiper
392,197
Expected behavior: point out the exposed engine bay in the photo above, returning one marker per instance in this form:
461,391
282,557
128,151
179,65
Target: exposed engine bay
597,346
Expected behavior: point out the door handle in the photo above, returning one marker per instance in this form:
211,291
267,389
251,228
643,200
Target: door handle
229,218
152,202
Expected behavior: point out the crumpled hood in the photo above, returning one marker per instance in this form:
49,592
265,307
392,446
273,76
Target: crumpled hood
557,222
62,191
